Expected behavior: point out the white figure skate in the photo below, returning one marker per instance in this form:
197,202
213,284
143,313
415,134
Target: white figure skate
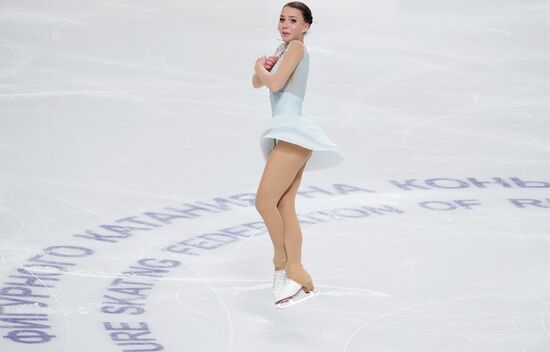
292,293
278,281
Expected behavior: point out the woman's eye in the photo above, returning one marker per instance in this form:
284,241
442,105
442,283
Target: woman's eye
281,20
292,21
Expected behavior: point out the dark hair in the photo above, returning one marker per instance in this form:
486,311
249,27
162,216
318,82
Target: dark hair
306,12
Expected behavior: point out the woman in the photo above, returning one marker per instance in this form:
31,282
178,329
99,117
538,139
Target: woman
287,144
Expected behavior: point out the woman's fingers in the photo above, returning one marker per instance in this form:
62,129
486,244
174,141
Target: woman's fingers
267,61
270,62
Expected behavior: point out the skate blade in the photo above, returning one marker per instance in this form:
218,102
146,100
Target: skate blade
301,297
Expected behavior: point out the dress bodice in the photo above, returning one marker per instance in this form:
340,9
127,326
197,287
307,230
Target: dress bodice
289,99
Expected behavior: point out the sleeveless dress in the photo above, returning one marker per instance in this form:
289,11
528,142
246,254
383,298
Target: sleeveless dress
290,125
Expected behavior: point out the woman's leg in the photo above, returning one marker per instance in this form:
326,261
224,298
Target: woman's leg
282,166
293,234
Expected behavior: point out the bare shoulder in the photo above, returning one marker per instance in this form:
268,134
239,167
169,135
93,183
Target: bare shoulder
297,47
296,44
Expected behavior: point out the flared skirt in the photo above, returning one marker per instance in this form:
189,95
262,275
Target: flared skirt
300,130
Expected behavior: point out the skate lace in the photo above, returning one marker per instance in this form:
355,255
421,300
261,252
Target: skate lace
279,280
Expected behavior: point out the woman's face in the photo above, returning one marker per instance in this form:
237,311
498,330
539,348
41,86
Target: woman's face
291,24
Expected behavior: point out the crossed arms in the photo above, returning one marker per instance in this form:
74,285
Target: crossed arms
274,82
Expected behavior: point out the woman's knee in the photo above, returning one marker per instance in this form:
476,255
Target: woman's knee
286,203
259,203
264,203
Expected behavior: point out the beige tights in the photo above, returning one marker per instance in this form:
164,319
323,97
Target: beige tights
275,201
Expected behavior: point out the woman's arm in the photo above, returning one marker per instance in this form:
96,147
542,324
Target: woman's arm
256,82
291,58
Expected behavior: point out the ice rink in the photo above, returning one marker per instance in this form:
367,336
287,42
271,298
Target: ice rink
130,159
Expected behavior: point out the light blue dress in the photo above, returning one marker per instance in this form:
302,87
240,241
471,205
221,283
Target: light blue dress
290,125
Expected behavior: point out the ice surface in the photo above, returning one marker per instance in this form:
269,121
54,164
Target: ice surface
130,160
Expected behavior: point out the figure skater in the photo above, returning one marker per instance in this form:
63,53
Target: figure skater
291,144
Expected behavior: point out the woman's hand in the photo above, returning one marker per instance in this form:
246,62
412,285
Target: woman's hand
260,61
266,62
270,61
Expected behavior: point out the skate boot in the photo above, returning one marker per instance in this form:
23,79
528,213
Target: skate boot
293,292
278,281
